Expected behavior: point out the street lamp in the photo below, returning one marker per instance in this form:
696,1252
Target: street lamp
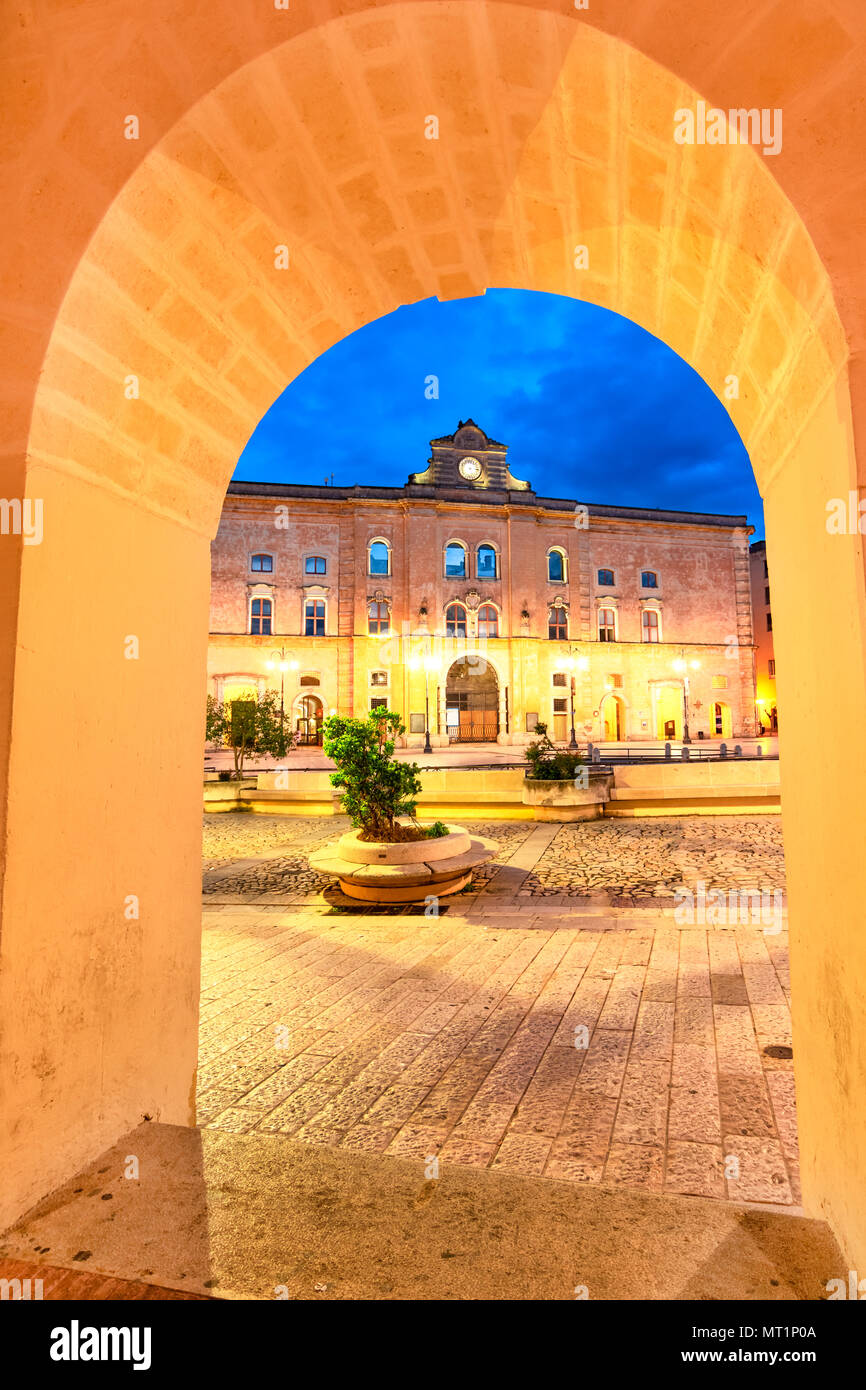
680,664
280,660
427,663
574,663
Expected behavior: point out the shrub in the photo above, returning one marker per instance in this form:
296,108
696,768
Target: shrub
376,787
549,763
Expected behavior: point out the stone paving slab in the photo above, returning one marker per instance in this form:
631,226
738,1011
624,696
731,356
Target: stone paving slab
263,1216
539,1024
539,1050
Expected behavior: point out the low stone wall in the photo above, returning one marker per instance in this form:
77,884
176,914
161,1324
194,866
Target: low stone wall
730,787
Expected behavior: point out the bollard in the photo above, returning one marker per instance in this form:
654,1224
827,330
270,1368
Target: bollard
667,752
684,753
738,751
723,750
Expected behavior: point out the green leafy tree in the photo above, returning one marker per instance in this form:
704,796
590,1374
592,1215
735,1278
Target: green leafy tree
250,727
376,787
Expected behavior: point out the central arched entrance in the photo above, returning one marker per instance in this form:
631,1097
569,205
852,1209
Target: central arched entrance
472,701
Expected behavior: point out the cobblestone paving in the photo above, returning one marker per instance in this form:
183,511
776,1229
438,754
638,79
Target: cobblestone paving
635,860
534,1033
630,862
245,856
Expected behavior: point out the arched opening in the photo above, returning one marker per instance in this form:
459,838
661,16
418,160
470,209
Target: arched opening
613,719
722,722
309,719
472,701
177,285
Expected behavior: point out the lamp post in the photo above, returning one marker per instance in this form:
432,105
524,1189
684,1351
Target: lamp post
280,660
680,664
574,663
427,663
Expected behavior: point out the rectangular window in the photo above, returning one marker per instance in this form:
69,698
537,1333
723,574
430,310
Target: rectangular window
314,617
767,594
650,625
378,702
261,612
615,682
560,678
766,571
720,682
769,622
771,668
262,564
315,564
560,706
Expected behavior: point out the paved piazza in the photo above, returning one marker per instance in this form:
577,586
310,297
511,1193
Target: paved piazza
556,1018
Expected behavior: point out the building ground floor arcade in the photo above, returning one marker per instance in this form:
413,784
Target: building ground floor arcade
496,690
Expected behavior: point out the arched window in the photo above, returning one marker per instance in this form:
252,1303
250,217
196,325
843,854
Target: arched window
315,564
378,677
557,624
649,579
485,562
607,624
649,621
309,680
378,617
556,566
488,621
262,564
455,620
314,617
605,578
261,610
455,560
379,558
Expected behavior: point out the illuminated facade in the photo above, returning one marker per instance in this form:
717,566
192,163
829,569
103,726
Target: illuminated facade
766,716
476,607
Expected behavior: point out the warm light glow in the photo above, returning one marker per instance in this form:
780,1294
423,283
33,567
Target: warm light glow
679,664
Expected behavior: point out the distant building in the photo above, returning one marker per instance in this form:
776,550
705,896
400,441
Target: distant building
470,602
765,661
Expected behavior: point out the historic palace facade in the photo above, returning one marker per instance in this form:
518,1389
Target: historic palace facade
476,607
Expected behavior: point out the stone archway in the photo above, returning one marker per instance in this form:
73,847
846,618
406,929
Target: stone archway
167,287
472,701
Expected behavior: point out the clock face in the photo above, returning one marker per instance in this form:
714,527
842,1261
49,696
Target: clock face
470,468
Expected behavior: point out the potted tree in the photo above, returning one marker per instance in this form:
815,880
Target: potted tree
389,856
562,786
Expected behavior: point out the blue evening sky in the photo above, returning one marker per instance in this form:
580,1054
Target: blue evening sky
592,407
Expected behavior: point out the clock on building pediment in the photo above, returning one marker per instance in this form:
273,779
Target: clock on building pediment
469,458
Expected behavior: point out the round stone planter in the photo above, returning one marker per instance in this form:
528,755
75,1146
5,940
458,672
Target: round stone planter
568,800
406,872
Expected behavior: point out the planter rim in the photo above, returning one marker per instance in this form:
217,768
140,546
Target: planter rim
366,852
